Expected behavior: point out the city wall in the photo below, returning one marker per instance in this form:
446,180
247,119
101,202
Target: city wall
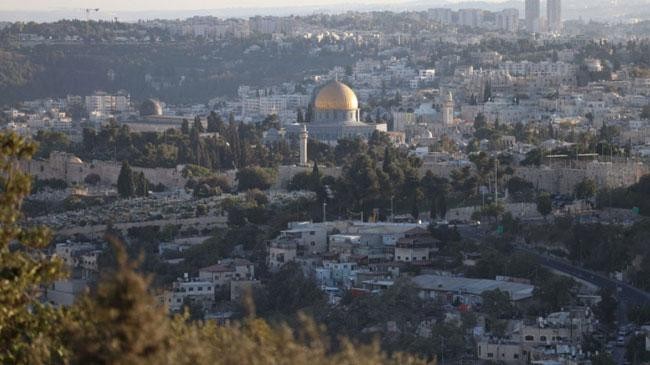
73,170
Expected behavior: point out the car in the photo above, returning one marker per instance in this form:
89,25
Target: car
620,341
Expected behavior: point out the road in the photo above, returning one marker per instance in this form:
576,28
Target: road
627,293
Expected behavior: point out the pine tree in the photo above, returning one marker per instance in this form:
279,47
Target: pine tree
125,181
29,329
185,127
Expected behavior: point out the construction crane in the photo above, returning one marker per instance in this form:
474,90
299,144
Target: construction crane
88,11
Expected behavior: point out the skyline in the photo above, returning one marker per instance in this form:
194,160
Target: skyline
166,5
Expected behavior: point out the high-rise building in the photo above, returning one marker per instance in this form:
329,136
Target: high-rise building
472,18
448,109
508,20
533,15
554,15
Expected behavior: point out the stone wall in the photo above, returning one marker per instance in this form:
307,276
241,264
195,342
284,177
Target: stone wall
73,170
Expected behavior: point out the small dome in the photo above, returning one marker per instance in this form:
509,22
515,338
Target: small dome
336,96
75,160
150,107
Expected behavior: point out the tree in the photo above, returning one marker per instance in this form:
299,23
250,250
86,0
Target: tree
215,123
497,304
92,179
603,358
487,92
412,192
29,329
300,118
555,291
118,324
480,121
198,125
141,184
435,190
125,181
606,310
645,112
636,352
520,189
533,158
544,204
255,178
185,127
585,189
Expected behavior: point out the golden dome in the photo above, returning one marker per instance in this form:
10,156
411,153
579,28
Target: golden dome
336,95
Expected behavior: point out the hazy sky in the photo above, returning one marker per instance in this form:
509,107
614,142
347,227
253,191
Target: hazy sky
136,5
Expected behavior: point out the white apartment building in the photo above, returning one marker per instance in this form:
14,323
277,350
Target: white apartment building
273,104
195,289
227,271
106,104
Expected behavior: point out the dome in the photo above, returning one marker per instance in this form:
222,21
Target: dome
337,96
75,160
150,107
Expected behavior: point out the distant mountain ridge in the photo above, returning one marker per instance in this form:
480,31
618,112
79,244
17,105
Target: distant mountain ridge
602,10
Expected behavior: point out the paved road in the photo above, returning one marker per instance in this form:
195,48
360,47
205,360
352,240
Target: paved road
627,293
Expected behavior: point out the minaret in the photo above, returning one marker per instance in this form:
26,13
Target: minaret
303,145
448,109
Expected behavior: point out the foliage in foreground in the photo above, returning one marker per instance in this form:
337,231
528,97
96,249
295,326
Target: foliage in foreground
121,323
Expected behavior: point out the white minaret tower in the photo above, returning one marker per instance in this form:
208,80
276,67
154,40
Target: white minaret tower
448,109
303,145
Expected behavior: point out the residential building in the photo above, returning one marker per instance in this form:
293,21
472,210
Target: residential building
554,15
533,16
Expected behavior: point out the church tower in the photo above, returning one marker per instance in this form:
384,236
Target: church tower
448,109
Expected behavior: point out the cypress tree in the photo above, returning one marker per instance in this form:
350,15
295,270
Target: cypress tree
198,125
141,185
185,127
300,118
125,181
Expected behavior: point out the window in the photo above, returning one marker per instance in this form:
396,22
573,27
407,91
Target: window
312,233
399,257
515,356
191,289
490,355
529,338
200,288
542,338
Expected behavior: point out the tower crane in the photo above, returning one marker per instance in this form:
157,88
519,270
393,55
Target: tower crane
88,11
